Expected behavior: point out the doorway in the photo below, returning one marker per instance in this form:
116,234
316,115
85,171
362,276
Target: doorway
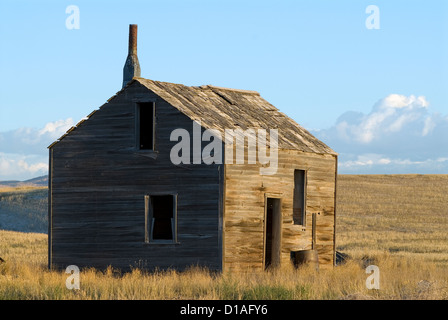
273,232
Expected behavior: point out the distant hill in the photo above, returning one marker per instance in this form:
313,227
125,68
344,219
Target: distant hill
34,182
24,205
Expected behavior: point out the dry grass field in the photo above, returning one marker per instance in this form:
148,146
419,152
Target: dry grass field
405,215
395,222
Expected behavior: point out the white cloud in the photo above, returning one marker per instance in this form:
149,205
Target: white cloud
32,140
22,167
375,163
389,115
428,127
401,121
56,129
24,153
398,101
34,167
400,131
365,160
384,161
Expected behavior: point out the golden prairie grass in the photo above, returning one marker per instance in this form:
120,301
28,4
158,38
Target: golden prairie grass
4,188
406,215
400,278
394,222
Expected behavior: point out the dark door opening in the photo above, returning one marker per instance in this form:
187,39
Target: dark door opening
273,225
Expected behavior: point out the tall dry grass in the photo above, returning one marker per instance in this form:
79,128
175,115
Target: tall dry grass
406,215
400,278
394,222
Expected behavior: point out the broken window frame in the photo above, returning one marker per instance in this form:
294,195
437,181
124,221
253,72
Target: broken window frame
149,219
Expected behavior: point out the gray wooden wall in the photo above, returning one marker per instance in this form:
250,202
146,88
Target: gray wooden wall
98,183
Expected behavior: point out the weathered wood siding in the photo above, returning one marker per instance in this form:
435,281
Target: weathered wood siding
98,183
244,209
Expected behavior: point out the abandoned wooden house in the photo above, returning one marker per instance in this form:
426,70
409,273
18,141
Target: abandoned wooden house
117,198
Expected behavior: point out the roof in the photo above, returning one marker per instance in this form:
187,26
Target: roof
223,108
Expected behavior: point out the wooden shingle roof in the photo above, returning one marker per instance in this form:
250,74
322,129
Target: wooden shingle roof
222,108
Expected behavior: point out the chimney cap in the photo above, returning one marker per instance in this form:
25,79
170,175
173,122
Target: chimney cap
133,28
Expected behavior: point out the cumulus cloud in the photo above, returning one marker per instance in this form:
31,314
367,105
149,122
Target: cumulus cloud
33,140
399,133
55,129
390,115
23,152
22,167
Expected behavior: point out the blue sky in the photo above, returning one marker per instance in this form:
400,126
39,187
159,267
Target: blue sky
314,60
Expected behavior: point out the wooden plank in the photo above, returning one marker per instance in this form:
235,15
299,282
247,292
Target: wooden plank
244,205
99,183
50,207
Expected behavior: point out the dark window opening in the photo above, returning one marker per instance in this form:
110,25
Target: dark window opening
160,213
146,125
162,217
299,200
